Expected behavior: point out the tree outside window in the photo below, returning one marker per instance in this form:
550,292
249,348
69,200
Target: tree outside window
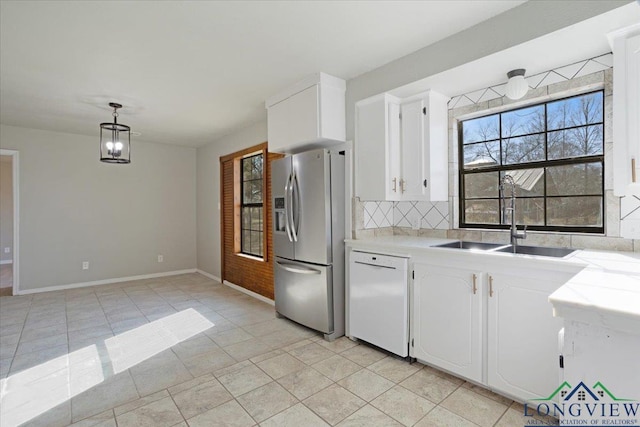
554,152
251,208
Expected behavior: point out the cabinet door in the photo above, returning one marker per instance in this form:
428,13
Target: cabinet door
377,149
304,120
522,334
447,319
277,126
412,151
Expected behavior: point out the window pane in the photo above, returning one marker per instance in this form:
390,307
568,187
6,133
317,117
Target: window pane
246,240
256,240
246,168
528,211
577,142
481,129
580,179
257,167
529,182
482,154
523,121
481,185
252,192
256,219
575,211
481,212
529,148
576,111
246,218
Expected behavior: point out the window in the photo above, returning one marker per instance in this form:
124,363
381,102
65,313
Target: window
251,207
554,153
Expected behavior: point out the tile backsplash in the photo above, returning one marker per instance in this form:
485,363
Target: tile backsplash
414,215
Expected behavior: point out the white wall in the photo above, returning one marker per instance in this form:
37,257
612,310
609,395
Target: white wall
73,208
6,208
208,191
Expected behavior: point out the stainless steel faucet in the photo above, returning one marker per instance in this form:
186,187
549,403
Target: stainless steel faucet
508,179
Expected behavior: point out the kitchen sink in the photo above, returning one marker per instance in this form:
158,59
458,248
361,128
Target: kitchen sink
537,250
471,245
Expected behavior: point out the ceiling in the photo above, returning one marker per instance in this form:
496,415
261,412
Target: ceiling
188,73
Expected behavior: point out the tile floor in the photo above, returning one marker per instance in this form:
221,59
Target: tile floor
249,368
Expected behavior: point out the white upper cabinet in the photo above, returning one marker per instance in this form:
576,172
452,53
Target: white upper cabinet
625,44
401,148
307,113
378,148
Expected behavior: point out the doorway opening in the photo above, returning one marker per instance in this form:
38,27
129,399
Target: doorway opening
8,222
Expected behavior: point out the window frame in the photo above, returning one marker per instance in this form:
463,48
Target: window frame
260,205
537,164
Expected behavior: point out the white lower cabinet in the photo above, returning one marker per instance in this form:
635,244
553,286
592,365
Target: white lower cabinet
505,328
447,308
522,334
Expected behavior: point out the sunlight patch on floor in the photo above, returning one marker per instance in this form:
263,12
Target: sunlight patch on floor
132,347
32,392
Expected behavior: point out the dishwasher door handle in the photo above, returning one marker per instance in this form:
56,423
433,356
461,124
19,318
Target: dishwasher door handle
374,265
295,268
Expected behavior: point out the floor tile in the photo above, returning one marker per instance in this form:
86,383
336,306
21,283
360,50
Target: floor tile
440,417
42,343
430,386
228,414
369,416
244,380
247,349
194,346
474,407
487,393
210,361
337,367
38,333
338,345
201,398
403,405
231,336
296,416
161,413
279,366
266,401
104,419
151,380
394,369
114,391
304,383
334,403
311,353
363,355
366,384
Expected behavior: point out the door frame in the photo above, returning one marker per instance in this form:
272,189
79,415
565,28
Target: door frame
14,154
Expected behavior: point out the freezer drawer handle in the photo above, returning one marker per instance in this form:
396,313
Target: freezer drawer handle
374,265
294,268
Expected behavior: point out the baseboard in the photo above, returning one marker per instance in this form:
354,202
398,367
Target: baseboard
248,292
209,275
104,282
8,261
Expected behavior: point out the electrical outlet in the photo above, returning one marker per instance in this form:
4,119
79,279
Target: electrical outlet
160,258
85,265
7,250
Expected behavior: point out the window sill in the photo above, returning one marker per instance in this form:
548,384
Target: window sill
251,257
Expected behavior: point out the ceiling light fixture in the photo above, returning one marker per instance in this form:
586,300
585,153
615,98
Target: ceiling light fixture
115,140
517,86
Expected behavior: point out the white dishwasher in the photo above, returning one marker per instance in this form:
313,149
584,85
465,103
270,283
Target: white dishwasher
378,301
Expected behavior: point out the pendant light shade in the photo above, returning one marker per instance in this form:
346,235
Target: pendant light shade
517,86
115,140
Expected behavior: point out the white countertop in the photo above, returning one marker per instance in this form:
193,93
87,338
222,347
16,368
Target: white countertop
606,292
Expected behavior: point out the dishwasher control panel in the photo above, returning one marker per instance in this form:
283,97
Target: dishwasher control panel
379,260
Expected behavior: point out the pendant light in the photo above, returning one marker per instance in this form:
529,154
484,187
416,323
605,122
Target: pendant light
517,86
115,140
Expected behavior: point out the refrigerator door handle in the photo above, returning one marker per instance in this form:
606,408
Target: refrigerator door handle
287,207
295,214
295,268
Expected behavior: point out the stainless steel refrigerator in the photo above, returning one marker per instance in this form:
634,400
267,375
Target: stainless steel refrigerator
308,239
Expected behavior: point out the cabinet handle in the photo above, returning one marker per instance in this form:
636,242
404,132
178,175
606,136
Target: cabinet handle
394,184
475,288
633,170
402,185
490,286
